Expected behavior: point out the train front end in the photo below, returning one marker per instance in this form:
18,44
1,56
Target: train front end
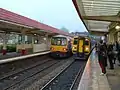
81,48
59,47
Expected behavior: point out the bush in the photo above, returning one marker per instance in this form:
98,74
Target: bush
11,48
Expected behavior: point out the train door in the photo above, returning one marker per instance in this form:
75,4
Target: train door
80,46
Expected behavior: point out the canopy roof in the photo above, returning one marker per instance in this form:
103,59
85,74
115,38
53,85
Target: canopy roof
10,21
98,14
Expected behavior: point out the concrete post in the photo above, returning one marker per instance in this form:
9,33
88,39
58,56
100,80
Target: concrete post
119,37
32,43
4,50
23,51
47,42
5,39
32,40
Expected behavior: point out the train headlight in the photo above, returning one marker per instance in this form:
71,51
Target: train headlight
74,47
86,48
52,48
64,49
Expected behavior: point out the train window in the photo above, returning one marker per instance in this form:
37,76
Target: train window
59,41
86,42
75,41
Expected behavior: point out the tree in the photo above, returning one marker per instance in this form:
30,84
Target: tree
64,29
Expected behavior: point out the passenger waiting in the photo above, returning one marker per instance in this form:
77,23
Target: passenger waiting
102,57
106,53
118,51
110,55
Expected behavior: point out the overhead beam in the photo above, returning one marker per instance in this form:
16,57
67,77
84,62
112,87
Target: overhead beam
113,18
99,33
113,24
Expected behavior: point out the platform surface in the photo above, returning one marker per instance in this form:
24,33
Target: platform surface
91,78
9,55
113,77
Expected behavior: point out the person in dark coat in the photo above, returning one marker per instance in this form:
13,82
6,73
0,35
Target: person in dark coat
110,55
118,51
102,57
106,53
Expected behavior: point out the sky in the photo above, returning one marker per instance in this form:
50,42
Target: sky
56,13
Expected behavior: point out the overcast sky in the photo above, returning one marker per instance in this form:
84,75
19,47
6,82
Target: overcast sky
56,13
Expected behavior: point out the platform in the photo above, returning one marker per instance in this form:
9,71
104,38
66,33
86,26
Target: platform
14,57
113,77
9,55
91,79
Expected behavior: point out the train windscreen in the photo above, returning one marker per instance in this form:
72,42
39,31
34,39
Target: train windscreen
75,41
60,41
86,42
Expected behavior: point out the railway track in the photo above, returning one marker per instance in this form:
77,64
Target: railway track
15,78
67,79
10,67
76,81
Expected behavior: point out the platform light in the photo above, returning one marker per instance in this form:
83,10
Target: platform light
86,39
35,34
45,38
117,27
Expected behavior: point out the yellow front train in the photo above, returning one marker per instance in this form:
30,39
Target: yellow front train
81,47
60,46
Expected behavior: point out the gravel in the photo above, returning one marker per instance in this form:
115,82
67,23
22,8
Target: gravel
65,79
11,67
39,83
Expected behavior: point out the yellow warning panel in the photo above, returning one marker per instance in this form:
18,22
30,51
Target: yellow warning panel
80,46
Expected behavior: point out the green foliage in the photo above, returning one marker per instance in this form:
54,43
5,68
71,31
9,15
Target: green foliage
10,48
64,29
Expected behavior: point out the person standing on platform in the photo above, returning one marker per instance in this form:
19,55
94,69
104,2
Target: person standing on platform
117,51
110,55
102,57
106,53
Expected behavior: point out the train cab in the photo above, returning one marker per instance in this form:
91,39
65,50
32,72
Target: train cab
60,46
81,47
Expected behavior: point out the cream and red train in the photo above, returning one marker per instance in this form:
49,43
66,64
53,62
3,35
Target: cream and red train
61,46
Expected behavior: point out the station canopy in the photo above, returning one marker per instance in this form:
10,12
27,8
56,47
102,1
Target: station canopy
12,22
97,15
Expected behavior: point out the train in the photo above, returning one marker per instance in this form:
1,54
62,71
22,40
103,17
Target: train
61,46
81,47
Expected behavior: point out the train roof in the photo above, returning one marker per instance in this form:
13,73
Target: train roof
59,36
63,36
81,37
